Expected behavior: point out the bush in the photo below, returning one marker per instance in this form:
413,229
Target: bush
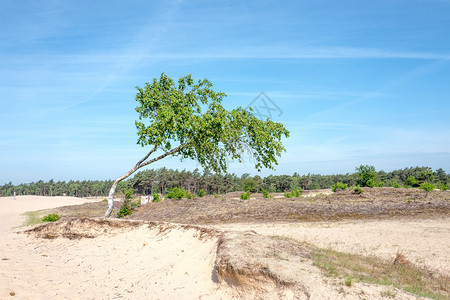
156,197
427,187
201,193
443,187
265,193
288,194
367,176
127,206
245,196
339,186
297,193
412,181
358,190
177,193
189,196
50,218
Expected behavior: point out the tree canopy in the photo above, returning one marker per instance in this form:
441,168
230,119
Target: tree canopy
187,119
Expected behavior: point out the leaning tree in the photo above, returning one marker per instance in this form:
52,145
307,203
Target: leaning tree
186,119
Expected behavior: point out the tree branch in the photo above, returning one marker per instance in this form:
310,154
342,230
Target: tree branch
174,150
147,156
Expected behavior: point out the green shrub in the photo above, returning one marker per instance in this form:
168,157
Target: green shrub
297,193
412,181
443,187
215,195
427,187
156,197
358,190
367,176
189,195
245,196
265,193
339,186
201,193
396,185
128,206
50,218
177,193
288,195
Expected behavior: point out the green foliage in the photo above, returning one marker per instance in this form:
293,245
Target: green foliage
156,197
128,206
50,218
245,196
367,176
297,193
250,185
443,187
201,193
177,193
358,190
215,195
265,193
288,195
412,181
427,187
338,186
293,194
190,196
187,118
396,185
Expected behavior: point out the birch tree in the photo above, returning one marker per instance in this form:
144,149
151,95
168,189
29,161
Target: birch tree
186,119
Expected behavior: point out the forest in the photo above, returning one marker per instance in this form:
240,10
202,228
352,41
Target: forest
163,180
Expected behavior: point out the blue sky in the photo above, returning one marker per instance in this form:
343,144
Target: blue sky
356,82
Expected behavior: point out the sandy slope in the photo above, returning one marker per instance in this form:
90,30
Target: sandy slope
177,262
425,242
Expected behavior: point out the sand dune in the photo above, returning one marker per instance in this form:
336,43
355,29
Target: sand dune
119,259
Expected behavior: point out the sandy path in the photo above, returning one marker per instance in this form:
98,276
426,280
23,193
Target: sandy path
424,242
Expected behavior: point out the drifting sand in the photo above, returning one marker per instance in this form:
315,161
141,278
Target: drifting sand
141,260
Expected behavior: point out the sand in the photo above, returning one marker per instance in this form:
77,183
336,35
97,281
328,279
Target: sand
170,261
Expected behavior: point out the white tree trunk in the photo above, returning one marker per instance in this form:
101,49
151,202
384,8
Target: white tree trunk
139,165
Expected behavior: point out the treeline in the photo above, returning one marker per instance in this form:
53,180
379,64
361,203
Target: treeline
162,180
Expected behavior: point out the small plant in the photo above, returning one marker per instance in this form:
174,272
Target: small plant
201,193
50,218
339,186
427,187
348,281
288,195
215,195
190,196
127,206
177,193
409,200
156,197
358,190
265,193
396,185
245,196
297,193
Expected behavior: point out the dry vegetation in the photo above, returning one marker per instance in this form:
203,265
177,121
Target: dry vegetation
318,205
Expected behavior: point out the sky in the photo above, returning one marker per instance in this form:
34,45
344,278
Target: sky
355,82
